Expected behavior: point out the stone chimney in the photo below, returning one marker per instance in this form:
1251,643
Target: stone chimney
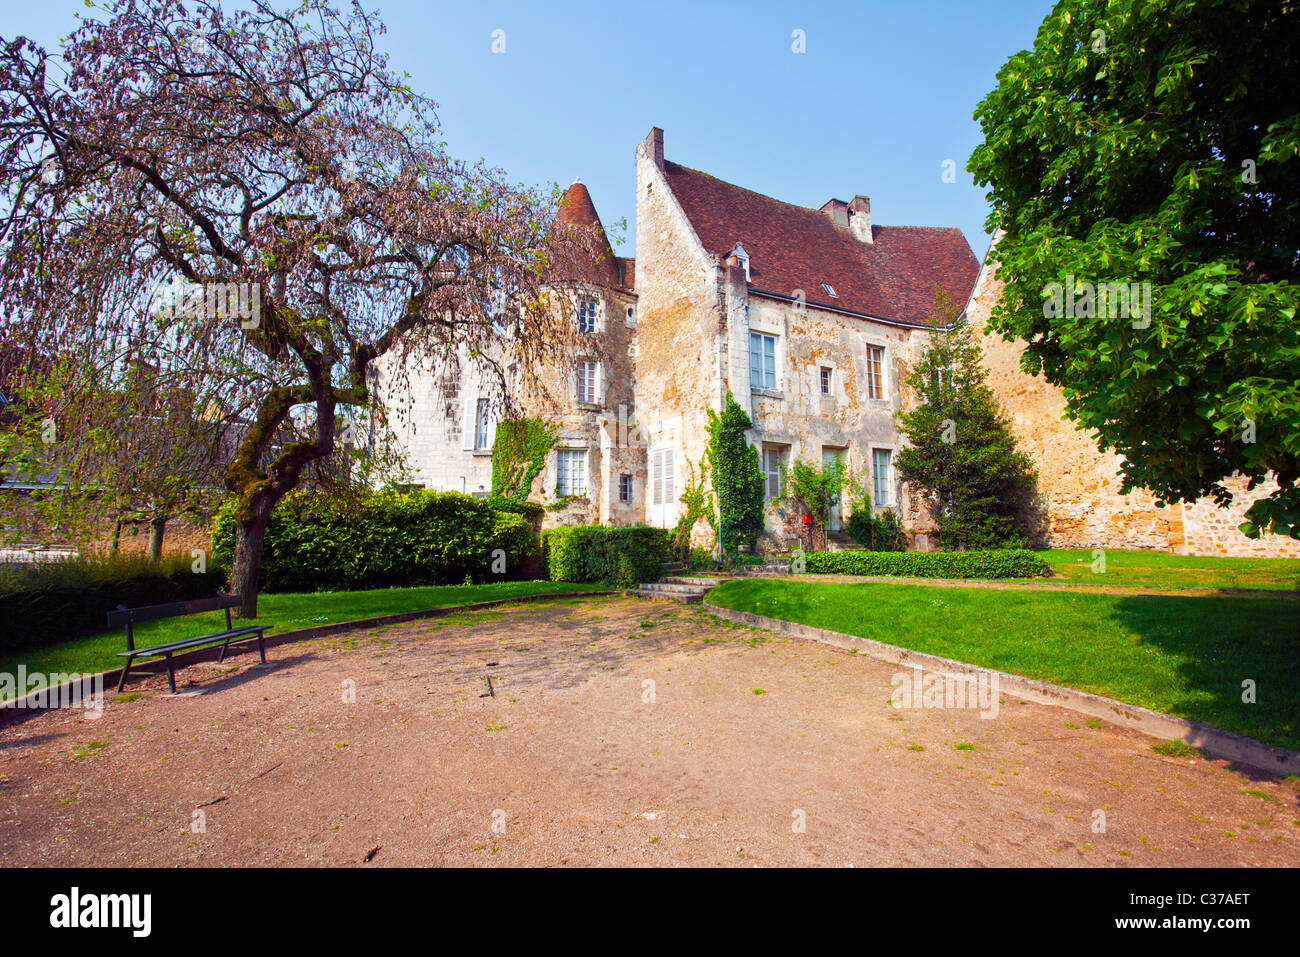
654,146
860,218
837,210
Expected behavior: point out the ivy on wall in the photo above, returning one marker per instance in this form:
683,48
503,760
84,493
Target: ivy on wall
737,479
518,454
698,499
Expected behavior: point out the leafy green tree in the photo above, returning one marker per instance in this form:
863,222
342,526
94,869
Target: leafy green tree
816,489
737,479
1152,141
961,454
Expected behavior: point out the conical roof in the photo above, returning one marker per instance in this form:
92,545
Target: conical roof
578,214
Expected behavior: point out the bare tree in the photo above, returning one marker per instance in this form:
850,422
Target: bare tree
272,162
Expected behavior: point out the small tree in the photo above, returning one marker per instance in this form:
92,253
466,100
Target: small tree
737,479
816,490
962,455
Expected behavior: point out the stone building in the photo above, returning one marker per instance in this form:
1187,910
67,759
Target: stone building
811,318
1079,486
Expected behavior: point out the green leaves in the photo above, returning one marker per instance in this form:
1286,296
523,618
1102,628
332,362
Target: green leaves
1187,177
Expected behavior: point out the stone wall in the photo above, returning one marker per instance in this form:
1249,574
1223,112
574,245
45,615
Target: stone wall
1080,486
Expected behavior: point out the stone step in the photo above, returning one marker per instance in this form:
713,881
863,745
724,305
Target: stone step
677,588
654,592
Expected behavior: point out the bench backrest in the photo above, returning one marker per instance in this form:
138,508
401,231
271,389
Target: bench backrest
127,617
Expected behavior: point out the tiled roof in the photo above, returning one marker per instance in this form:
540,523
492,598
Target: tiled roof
577,212
794,247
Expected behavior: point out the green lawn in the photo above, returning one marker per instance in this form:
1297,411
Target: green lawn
1138,568
285,612
1185,656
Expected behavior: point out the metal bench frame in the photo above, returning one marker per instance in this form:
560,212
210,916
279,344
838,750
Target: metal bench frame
128,617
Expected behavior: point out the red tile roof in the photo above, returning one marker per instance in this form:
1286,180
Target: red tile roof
793,247
577,213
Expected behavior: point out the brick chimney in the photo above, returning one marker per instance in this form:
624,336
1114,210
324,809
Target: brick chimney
860,217
654,146
837,210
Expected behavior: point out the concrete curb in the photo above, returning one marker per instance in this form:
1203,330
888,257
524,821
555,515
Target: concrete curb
19,709
1221,744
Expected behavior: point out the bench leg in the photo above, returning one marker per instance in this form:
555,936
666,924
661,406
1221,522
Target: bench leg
261,646
224,648
171,673
121,682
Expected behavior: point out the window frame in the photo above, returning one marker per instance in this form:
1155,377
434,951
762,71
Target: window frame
827,377
482,424
592,315
875,371
625,488
593,366
762,355
773,476
878,481
564,472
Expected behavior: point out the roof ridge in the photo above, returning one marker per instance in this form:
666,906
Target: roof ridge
746,189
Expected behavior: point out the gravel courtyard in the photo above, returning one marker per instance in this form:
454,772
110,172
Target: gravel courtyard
620,732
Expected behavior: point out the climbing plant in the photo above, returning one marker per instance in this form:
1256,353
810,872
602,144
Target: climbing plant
737,479
816,490
698,499
518,454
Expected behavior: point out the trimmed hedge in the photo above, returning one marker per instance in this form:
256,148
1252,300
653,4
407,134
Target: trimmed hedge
317,541
48,603
996,563
594,553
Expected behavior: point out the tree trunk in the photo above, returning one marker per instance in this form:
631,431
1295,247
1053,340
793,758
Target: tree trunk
248,560
157,525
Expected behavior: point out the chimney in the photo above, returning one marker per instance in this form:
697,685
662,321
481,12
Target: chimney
654,146
837,210
860,218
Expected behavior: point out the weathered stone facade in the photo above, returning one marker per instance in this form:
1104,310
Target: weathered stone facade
1080,485
831,312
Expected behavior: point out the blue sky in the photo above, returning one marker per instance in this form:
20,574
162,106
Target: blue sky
881,98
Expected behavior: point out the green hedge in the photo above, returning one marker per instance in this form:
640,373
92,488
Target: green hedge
318,541
594,553
1005,563
53,602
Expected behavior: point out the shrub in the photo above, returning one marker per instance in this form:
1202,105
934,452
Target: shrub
318,541
47,603
883,533
998,563
594,553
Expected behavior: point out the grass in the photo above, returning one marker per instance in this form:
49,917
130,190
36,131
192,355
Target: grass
282,612
1161,570
1181,655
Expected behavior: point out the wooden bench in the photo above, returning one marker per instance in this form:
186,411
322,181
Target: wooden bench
130,617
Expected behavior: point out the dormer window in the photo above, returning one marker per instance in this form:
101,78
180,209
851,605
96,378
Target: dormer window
742,259
830,290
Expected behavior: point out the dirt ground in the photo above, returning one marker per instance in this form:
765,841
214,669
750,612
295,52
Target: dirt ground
621,732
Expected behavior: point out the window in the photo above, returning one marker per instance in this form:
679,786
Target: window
773,461
880,471
625,488
481,425
875,382
830,290
826,381
762,361
571,472
586,316
587,381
